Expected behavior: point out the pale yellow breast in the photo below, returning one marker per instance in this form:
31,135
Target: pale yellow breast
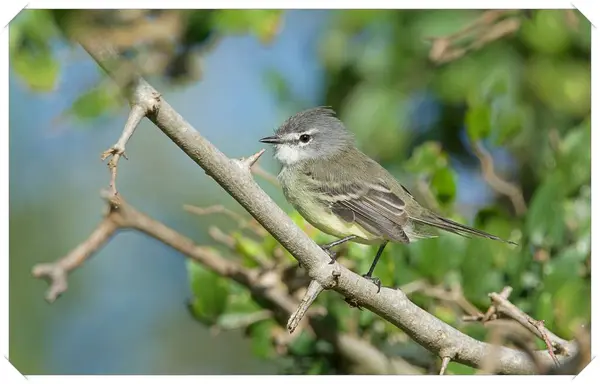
317,214
324,220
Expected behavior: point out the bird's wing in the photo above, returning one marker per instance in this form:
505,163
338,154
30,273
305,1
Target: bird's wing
372,206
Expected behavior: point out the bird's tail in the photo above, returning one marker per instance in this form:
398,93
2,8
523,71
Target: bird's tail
451,226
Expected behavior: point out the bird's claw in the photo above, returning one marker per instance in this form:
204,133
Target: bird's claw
373,280
332,254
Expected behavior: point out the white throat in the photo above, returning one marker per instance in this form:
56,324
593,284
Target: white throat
288,155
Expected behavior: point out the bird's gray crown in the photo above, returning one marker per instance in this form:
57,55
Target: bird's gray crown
314,133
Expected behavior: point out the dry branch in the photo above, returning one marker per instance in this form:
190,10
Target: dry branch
510,190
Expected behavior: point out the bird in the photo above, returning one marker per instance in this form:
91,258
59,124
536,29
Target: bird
344,193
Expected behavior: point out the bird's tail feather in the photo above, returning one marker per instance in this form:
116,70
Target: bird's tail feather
457,228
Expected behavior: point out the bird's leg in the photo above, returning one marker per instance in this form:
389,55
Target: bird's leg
327,247
369,275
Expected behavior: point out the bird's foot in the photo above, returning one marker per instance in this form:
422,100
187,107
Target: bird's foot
332,254
373,280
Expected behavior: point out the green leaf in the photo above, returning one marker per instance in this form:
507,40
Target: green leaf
443,185
460,369
572,303
545,218
365,319
427,158
95,102
263,23
433,258
252,252
303,345
575,157
478,122
479,276
509,117
261,334
210,293
545,309
38,69
563,85
547,32
31,34
566,266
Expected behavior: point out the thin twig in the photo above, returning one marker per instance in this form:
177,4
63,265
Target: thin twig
314,289
510,190
486,28
56,272
218,235
490,314
539,325
217,209
139,110
445,361
242,222
508,309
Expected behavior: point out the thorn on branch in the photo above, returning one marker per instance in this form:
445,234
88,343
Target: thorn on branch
314,289
445,361
248,162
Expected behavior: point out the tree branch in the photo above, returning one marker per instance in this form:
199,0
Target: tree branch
510,190
279,303
488,27
236,178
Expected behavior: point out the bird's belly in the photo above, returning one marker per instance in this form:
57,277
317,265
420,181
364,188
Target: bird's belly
325,221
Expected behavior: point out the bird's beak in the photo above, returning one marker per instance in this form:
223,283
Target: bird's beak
271,140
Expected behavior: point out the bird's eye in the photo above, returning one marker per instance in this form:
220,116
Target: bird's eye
305,138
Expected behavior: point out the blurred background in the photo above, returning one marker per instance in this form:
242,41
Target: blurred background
483,115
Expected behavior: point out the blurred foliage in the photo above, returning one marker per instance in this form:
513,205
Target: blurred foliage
525,94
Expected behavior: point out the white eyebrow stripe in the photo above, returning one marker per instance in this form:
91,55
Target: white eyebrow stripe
309,132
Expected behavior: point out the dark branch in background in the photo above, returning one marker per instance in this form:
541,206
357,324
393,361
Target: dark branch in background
512,191
236,178
488,27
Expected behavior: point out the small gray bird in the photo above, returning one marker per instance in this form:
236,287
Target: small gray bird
344,193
